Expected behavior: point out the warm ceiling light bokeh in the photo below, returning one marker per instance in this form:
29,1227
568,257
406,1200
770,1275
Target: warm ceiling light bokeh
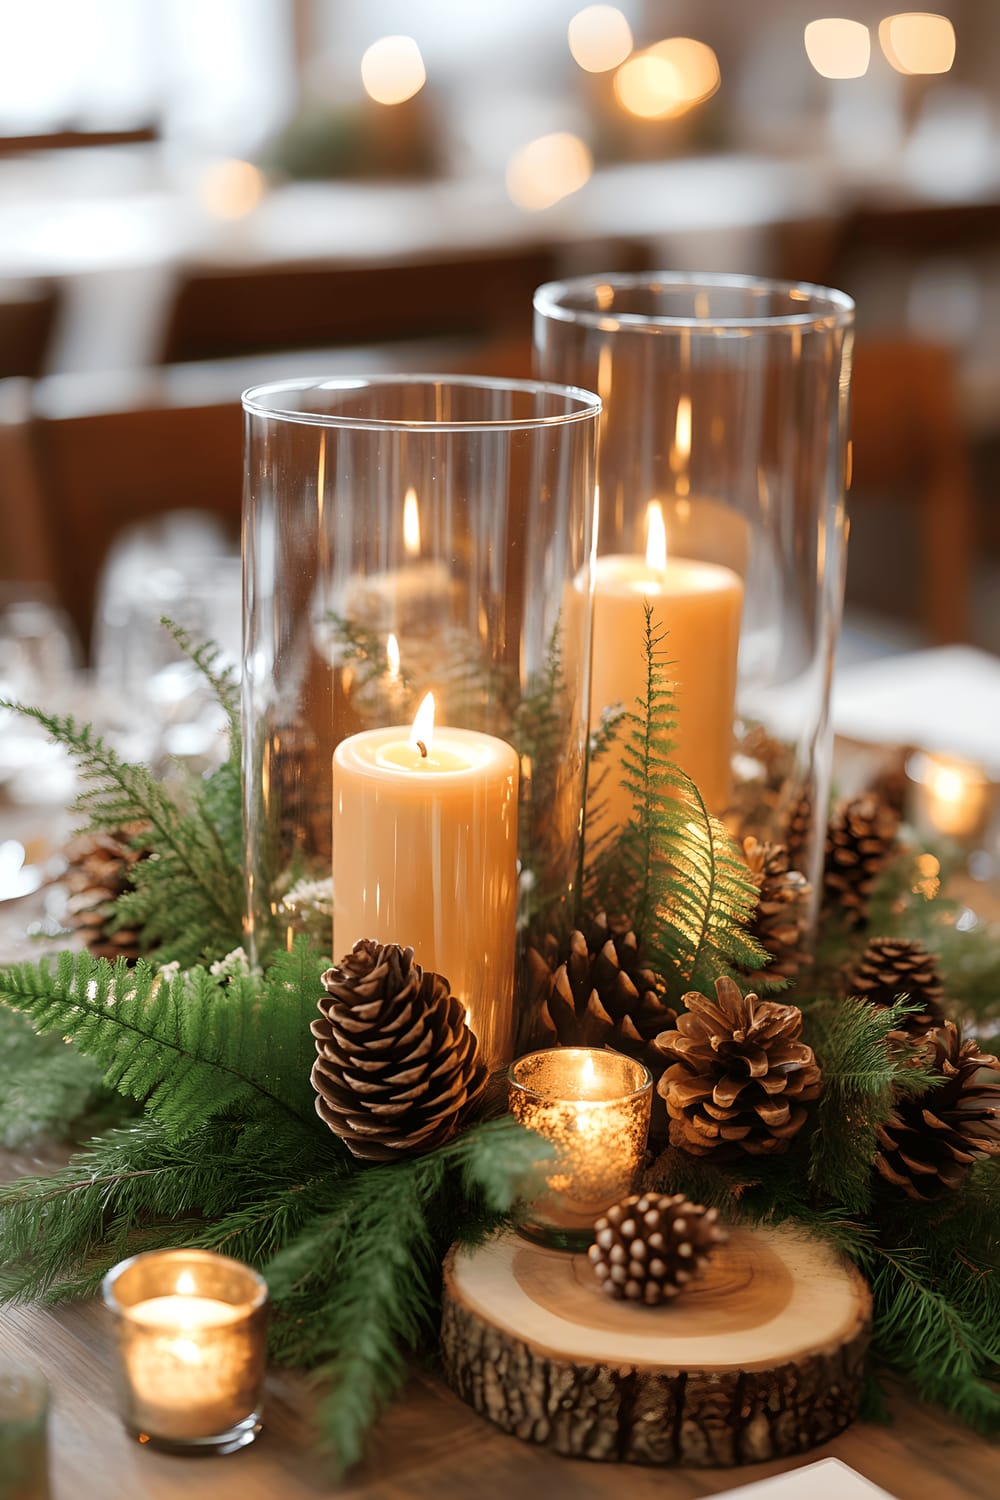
548,169
838,48
231,189
668,79
918,42
392,70
599,38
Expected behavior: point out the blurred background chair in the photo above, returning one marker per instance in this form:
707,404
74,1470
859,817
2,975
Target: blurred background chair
27,320
912,504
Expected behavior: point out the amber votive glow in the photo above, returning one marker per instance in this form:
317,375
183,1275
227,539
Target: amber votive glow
593,1106
190,1330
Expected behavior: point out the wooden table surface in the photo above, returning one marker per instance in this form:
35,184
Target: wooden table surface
428,1444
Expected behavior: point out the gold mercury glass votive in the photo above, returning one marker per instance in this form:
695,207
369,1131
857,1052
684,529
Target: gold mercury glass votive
190,1330
593,1105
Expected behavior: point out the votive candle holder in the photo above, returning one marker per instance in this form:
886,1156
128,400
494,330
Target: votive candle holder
593,1106
190,1331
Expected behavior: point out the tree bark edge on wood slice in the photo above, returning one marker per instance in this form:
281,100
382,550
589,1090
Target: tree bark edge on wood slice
761,1359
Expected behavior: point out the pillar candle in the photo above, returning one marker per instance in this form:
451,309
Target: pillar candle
699,606
425,855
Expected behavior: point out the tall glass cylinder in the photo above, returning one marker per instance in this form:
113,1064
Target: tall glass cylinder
416,669
722,475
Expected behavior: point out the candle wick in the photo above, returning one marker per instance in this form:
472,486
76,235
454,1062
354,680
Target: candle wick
422,748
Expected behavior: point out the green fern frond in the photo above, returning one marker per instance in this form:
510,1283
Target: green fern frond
210,661
187,1048
675,869
46,1087
189,897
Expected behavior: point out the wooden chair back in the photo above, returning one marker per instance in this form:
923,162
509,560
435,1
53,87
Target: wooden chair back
27,319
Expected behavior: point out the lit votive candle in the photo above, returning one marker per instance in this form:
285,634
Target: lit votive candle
951,797
593,1106
191,1341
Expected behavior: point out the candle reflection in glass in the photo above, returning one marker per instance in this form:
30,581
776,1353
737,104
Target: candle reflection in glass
593,1106
190,1332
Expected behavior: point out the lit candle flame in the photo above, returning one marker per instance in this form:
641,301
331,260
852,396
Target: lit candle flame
656,537
588,1072
411,523
185,1285
682,429
392,657
422,733
947,784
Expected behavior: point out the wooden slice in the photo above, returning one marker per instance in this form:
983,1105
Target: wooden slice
761,1358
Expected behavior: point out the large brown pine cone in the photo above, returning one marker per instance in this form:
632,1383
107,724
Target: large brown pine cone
99,870
648,1247
891,967
599,992
928,1143
781,921
859,840
397,1069
739,1076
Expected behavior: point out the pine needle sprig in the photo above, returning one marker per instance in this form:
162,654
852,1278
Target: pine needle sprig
46,1087
862,1075
187,1048
210,660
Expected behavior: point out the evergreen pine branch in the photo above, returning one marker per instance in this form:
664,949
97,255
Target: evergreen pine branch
361,1285
188,1048
861,1077
46,1087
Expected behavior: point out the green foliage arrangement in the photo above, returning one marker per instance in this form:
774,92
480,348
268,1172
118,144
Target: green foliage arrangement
228,1153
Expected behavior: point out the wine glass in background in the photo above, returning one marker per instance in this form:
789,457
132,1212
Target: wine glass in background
150,700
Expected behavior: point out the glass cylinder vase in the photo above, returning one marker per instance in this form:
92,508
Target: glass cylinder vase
416,670
722,473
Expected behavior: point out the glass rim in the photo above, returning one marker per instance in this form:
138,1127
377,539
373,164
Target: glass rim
837,310
587,407
202,1257
644,1086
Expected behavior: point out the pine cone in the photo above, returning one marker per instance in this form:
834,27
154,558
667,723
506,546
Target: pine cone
648,1248
859,840
928,1144
799,821
891,967
397,1070
781,920
739,1076
100,868
601,994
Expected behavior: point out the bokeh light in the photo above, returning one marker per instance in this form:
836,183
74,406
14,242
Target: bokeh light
918,42
548,169
392,70
599,38
838,48
667,79
231,189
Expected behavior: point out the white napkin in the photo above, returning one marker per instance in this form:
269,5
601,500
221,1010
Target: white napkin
947,699
827,1480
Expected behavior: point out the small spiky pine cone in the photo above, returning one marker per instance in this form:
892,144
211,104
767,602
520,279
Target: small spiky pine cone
598,993
781,921
397,1069
891,967
649,1248
859,840
99,870
739,1076
928,1143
